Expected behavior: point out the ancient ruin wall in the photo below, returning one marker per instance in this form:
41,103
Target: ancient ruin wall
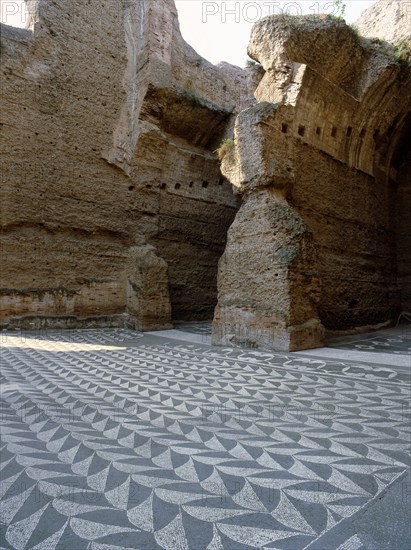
326,136
113,205
402,183
387,19
390,20
110,122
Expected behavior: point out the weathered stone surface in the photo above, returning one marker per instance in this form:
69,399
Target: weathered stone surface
253,162
268,284
148,299
281,44
110,123
328,135
114,210
268,278
403,218
387,19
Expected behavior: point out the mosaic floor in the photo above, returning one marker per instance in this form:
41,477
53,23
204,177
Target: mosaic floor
395,341
113,440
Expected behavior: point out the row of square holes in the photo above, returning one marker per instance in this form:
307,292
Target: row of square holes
191,185
204,185
301,131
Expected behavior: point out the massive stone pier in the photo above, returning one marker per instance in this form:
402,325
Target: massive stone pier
321,162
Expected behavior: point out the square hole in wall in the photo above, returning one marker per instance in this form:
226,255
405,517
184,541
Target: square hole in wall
301,130
284,128
334,132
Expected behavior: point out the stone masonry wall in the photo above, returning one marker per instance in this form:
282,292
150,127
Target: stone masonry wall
110,122
327,136
114,209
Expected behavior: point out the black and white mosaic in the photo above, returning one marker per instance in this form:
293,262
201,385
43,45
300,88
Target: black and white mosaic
113,440
394,341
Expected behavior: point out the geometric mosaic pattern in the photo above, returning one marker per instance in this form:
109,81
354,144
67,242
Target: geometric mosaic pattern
113,440
394,341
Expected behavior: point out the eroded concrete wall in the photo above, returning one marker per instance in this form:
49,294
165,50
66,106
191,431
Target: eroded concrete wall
403,220
110,122
330,121
114,208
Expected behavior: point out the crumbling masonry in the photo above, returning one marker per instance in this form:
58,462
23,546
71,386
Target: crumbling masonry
115,210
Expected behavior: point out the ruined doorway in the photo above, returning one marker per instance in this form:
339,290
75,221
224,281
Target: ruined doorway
193,225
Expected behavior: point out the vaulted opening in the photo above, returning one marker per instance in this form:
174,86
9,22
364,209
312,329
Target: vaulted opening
401,169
